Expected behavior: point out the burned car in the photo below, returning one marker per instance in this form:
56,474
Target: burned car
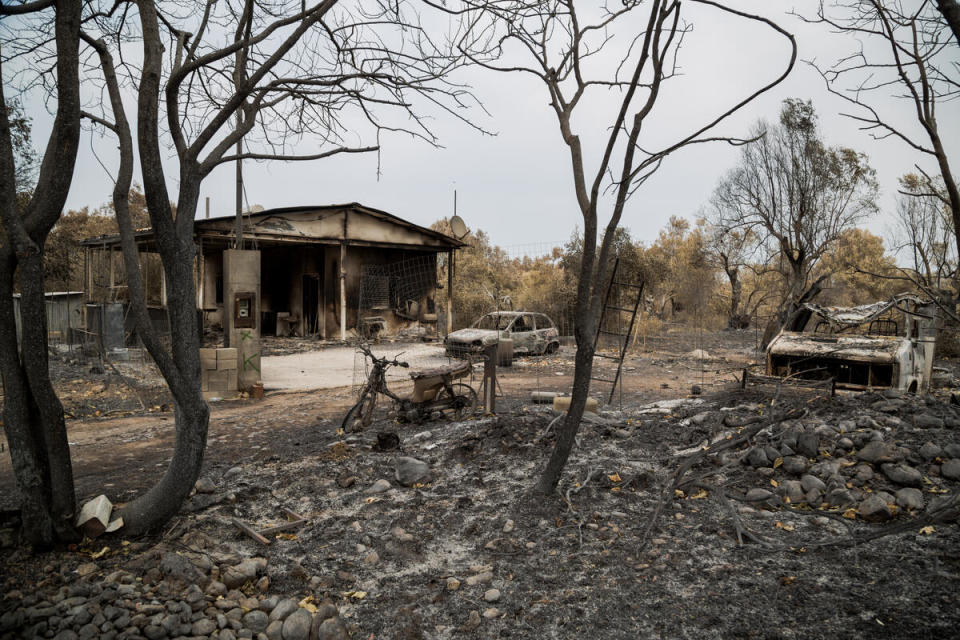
887,344
531,333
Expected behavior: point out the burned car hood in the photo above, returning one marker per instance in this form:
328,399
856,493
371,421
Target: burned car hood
488,336
853,347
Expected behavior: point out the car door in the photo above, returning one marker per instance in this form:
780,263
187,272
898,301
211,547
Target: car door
521,330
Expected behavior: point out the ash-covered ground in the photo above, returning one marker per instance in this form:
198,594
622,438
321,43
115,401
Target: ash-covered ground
741,514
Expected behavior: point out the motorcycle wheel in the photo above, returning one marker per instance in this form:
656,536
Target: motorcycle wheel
462,403
360,415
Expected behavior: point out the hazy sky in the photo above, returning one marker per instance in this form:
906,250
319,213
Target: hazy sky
517,185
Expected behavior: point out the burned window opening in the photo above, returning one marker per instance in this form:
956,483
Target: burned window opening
843,372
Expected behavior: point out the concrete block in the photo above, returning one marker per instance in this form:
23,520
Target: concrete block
227,354
94,516
208,358
225,365
222,380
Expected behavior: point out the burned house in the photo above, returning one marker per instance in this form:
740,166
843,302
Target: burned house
887,344
323,271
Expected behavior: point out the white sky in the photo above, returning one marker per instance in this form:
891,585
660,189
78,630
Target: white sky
517,185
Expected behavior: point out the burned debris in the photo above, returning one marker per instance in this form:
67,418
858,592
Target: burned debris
887,344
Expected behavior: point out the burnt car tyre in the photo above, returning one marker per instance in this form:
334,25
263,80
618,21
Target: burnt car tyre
552,348
462,403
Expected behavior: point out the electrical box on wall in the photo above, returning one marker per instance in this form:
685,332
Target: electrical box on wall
244,310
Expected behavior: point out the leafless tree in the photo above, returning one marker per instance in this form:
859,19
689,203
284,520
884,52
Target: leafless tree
797,195
905,51
569,51
731,250
924,233
32,414
279,75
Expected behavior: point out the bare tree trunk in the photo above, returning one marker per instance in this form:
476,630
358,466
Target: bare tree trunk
33,415
734,319
951,13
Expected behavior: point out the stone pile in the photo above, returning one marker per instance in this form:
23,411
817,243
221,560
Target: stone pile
178,596
892,456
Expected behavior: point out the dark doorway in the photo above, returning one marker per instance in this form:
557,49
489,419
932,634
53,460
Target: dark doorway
311,303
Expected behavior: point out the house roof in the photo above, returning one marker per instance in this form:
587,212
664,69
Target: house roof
330,224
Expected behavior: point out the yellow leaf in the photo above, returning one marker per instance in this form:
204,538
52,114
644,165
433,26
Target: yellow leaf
356,595
677,493
788,580
702,493
615,489
371,500
774,483
927,530
850,514
777,462
615,477
287,536
788,527
100,554
307,603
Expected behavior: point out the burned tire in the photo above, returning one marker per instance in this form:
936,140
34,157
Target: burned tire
552,348
462,403
360,415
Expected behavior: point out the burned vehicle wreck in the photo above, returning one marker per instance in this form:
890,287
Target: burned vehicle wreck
888,344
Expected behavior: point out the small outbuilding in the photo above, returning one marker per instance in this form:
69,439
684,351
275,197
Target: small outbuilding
322,271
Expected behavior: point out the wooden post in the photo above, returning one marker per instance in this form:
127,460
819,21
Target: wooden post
450,256
163,288
111,291
343,291
490,379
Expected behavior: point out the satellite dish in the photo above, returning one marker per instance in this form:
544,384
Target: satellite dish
257,208
458,227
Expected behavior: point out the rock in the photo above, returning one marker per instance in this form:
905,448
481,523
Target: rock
236,576
758,495
154,632
841,498
174,566
297,625
952,450
909,498
951,469
844,444
283,609
473,621
203,627
793,490
379,486
480,578
233,472
929,451
274,630
902,474
216,588
410,471
875,509
86,569
508,526
809,482
878,452
256,621
864,473
452,584
326,610
491,595
329,629
347,481
927,421
757,457
371,558
205,485
491,613
808,444
795,464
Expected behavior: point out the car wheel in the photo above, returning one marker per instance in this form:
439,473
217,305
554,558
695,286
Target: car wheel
551,348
